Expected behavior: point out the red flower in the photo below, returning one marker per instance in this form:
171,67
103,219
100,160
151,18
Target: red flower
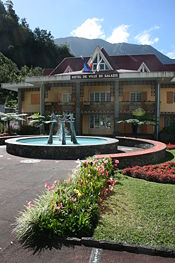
58,207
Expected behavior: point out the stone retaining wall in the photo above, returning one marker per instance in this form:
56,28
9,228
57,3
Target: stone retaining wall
152,153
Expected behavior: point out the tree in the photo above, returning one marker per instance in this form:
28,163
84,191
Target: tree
9,118
24,46
140,118
9,72
11,11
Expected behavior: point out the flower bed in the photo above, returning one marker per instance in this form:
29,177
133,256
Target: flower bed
68,208
170,146
163,173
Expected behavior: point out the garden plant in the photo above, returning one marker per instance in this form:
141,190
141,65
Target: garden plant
163,173
71,207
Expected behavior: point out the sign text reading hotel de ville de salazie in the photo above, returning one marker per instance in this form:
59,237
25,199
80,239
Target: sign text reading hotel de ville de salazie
94,76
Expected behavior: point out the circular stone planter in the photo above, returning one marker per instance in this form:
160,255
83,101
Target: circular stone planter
61,152
3,138
151,152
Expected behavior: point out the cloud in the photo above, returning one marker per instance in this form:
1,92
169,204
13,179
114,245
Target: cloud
119,34
145,38
91,28
171,54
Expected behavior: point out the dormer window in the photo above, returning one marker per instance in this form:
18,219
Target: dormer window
98,61
143,68
68,69
99,64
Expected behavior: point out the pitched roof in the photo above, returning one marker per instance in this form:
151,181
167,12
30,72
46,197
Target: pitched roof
127,62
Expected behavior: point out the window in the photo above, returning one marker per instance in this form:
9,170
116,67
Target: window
100,122
169,121
108,96
100,96
99,64
92,96
136,96
143,68
67,97
103,96
46,94
97,96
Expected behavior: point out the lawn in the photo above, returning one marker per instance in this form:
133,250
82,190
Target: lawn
173,153
139,212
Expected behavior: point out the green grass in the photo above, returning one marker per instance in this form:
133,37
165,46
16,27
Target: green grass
139,212
170,156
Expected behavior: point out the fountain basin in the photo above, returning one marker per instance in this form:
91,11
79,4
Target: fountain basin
37,147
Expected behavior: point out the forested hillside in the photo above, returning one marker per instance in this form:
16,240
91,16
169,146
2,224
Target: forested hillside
23,51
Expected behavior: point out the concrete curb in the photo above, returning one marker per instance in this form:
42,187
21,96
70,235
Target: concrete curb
90,242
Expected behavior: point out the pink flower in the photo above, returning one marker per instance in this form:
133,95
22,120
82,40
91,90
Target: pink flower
58,207
111,188
47,186
56,182
31,203
70,180
116,163
51,188
81,181
74,199
112,182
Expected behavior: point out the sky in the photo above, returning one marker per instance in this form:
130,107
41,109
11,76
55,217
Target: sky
149,22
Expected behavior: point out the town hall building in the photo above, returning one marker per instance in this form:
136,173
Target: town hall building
101,90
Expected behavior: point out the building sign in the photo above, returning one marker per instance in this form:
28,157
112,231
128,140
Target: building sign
95,76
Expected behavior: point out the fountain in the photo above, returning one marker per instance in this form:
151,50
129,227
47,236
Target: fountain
63,119
61,146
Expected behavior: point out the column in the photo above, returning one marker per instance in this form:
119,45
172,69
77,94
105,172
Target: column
42,106
42,99
116,106
157,109
77,108
19,101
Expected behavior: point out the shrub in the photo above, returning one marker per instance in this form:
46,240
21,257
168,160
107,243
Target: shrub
167,134
1,127
28,130
163,173
68,208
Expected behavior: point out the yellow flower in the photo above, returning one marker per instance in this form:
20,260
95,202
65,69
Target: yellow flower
77,192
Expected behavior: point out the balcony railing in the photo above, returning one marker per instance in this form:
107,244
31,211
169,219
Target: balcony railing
100,106
129,107
59,106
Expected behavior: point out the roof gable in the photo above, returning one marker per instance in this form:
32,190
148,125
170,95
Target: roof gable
143,68
99,60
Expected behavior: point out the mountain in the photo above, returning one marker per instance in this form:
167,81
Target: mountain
85,47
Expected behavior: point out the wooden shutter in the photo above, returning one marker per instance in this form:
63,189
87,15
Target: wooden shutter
169,97
59,97
35,98
144,96
126,96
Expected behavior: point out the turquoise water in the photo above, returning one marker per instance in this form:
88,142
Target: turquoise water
43,141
